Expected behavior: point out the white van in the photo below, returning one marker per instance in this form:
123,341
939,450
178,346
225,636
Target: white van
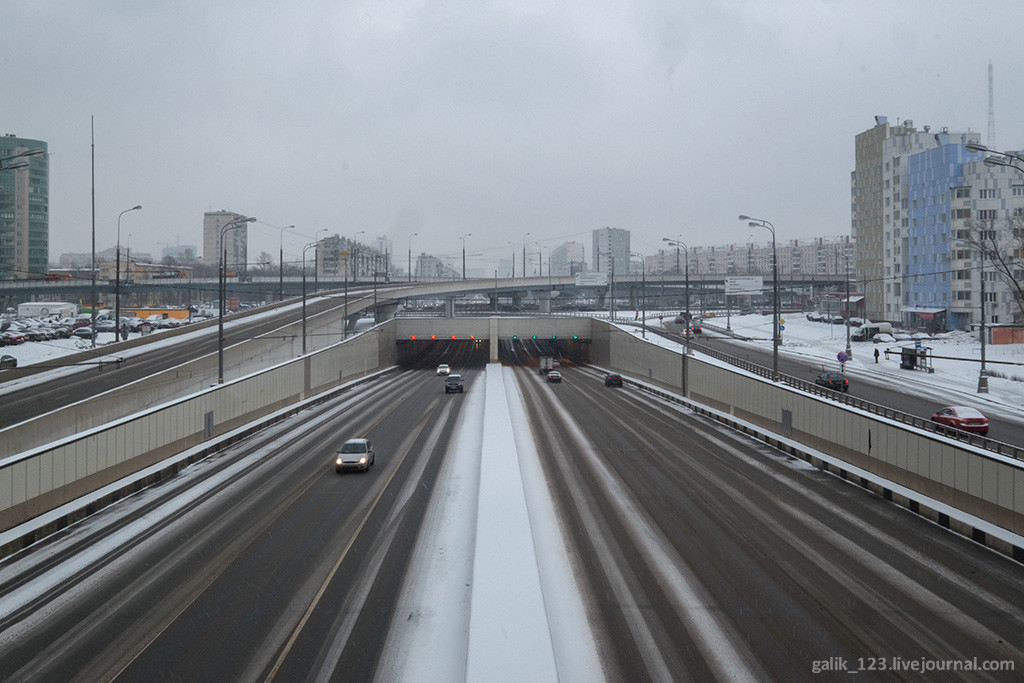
868,330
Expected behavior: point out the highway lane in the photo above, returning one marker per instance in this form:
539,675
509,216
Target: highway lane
698,552
708,555
864,386
213,584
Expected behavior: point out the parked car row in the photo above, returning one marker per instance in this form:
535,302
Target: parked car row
20,330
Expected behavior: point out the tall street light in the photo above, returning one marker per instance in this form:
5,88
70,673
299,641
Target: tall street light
677,244
524,253
4,166
996,161
643,292
316,263
348,267
761,223
241,220
410,255
280,263
306,248
463,238
117,274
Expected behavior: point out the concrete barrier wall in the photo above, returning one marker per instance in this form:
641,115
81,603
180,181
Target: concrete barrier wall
987,486
35,481
284,344
983,485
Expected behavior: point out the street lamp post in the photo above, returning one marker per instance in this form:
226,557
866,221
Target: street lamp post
316,262
643,292
117,274
22,156
410,255
463,238
304,250
348,267
524,253
223,292
677,244
982,375
280,264
849,348
761,223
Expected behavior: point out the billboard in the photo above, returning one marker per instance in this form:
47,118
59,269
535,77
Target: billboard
744,286
591,279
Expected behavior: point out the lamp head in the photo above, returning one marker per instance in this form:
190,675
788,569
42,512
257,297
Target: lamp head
744,218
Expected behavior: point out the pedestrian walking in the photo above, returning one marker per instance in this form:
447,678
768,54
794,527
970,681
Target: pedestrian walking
876,355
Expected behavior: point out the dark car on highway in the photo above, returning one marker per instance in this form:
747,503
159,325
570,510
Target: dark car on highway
453,384
833,380
613,380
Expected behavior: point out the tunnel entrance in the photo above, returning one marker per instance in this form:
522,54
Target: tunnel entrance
419,354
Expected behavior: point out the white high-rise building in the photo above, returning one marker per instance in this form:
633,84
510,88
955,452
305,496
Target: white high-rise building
236,241
610,250
567,259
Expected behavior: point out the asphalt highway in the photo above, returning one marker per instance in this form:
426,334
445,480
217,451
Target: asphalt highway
696,552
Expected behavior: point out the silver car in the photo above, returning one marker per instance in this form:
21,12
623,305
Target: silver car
354,454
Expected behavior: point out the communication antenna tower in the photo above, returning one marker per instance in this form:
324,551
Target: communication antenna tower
991,111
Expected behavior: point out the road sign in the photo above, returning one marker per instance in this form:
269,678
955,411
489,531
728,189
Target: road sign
743,286
781,328
842,357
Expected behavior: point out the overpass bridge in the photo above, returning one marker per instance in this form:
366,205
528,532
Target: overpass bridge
546,291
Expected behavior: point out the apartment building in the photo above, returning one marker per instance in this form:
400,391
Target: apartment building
24,208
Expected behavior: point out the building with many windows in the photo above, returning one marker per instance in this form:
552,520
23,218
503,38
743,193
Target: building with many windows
24,209
343,257
923,206
610,251
236,241
957,204
879,189
567,259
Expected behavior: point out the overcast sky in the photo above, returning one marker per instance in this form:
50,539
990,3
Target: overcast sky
493,118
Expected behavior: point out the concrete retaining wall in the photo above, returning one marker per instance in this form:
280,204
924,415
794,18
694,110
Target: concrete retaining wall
982,492
41,479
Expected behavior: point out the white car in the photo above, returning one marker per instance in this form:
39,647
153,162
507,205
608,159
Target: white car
443,369
354,454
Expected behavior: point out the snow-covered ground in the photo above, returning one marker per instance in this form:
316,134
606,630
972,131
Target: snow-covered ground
956,358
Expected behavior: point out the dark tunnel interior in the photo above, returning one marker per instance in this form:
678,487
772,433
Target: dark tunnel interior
429,353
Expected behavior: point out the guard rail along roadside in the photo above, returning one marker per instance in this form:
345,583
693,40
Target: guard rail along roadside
964,486
970,484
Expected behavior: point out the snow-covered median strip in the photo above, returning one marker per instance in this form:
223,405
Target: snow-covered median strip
509,638
490,594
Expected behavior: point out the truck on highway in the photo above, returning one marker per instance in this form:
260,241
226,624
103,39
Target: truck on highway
546,364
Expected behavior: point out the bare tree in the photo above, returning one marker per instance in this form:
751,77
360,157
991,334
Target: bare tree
1003,247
